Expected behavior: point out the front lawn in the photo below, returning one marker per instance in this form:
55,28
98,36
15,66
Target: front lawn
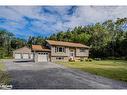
115,69
4,77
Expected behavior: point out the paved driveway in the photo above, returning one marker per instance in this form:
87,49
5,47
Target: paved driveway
29,75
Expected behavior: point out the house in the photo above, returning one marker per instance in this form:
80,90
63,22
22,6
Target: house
55,51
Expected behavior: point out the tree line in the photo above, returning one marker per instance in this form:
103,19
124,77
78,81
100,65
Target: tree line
107,39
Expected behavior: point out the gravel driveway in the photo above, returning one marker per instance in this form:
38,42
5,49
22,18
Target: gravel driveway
30,75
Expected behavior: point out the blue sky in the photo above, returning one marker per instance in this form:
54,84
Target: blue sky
26,21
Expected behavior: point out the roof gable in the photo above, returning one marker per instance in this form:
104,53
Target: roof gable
24,49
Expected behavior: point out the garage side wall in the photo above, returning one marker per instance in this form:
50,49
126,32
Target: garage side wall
35,57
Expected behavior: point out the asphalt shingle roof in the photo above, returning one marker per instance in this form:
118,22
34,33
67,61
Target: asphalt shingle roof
39,48
69,44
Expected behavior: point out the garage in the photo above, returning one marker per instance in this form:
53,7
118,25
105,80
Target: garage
23,54
42,57
17,56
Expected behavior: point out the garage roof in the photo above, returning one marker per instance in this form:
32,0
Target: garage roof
39,48
24,49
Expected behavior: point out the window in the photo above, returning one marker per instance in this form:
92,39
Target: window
82,50
72,54
59,58
44,53
60,49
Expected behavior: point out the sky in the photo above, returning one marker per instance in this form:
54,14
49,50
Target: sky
25,21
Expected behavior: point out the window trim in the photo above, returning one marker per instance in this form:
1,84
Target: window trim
60,49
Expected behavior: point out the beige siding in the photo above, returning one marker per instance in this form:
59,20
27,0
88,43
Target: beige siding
85,53
53,53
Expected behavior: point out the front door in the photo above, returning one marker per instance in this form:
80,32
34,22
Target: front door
72,53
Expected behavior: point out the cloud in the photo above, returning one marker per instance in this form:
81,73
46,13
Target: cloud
24,21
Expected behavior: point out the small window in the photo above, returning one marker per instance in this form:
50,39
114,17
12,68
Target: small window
59,58
82,50
60,49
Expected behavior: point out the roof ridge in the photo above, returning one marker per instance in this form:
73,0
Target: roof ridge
59,41
53,42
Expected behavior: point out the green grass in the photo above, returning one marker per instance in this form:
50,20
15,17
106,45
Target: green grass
2,67
4,77
115,69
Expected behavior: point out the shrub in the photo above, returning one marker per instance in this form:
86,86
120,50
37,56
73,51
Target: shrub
126,58
86,59
81,59
71,60
89,59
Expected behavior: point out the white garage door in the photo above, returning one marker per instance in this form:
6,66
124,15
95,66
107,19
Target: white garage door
25,56
17,56
42,57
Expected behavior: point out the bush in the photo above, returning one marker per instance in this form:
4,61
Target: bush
71,60
2,53
89,60
81,59
86,59
126,58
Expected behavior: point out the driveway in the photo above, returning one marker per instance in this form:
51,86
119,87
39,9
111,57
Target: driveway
47,75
